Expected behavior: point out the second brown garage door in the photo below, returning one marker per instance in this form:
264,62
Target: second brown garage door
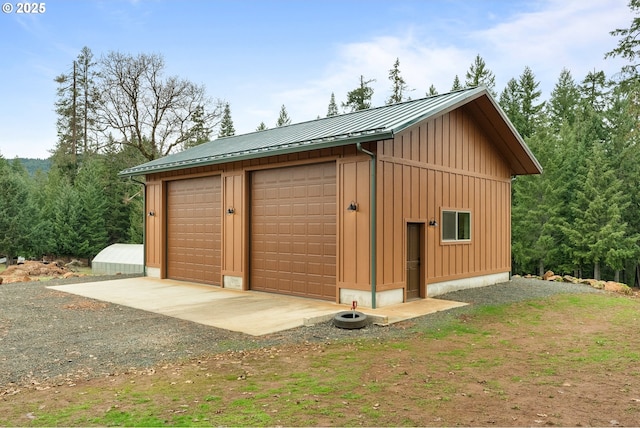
293,231
194,215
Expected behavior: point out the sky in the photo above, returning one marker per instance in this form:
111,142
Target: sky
258,55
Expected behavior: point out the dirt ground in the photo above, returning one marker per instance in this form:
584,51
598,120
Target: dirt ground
523,373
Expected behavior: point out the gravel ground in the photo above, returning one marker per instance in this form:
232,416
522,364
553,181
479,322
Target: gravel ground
47,334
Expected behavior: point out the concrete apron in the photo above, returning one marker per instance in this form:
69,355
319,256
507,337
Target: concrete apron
250,312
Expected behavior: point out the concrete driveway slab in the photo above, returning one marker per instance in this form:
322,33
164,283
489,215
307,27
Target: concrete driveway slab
250,312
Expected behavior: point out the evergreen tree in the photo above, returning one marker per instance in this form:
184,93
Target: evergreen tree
594,90
359,98
283,117
629,47
519,101
398,85
76,109
90,186
226,126
536,233
332,110
456,84
599,235
261,127
67,217
479,75
15,219
42,240
563,104
200,132
432,91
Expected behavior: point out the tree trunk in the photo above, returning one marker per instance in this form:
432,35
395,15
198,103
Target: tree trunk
616,276
596,271
541,267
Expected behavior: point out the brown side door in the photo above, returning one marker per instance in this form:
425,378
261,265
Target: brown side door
414,260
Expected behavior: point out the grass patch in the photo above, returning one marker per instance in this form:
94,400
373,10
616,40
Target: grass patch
427,376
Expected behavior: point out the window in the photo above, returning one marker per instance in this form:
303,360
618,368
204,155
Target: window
456,226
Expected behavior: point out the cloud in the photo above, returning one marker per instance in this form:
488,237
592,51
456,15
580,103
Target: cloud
572,34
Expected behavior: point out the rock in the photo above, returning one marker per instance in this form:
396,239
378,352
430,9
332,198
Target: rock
593,283
547,275
556,278
570,279
617,287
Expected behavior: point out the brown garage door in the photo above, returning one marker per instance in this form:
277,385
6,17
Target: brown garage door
293,231
193,230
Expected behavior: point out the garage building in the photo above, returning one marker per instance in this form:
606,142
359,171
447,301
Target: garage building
380,206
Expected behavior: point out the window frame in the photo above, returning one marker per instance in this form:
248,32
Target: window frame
456,226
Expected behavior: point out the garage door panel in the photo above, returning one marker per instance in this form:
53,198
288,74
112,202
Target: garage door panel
194,218
296,229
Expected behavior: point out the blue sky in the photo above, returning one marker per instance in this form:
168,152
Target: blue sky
261,54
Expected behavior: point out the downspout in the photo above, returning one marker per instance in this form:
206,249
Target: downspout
372,220
144,225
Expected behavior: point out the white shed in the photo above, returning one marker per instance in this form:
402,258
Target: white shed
119,258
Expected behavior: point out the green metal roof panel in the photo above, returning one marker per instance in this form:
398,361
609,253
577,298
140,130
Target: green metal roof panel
360,126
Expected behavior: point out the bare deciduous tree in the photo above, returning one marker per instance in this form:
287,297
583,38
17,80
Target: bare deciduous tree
156,115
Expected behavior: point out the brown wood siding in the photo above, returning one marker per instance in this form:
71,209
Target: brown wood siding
153,224
444,163
354,260
194,214
233,230
293,230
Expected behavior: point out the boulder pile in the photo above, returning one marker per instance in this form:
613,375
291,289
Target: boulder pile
33,271
613,286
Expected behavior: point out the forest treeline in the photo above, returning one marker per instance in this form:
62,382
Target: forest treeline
119,110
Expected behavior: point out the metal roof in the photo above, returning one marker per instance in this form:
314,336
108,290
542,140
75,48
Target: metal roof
360,126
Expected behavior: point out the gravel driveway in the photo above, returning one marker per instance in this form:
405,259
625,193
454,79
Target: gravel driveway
47,334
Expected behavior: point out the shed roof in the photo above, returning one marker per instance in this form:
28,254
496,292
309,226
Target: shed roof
121,253
361,126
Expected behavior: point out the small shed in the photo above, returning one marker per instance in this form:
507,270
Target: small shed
119,258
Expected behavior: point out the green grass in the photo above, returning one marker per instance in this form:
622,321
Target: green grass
350,383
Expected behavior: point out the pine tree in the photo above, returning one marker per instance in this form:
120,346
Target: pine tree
479,75
261,127
599,235
359,98
432,91
67,216
536,233
90,186
76,109
15,220
332,110
456,84
629,47
200,131
283,117
563,104
226,125
398,85
519,101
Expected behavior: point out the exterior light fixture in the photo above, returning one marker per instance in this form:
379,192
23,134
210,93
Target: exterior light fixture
433,222
230,211
152,213
352,207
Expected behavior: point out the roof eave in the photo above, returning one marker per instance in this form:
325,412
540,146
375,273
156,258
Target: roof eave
255,154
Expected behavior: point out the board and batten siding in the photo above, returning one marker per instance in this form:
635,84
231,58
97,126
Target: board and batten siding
154,222
445,163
